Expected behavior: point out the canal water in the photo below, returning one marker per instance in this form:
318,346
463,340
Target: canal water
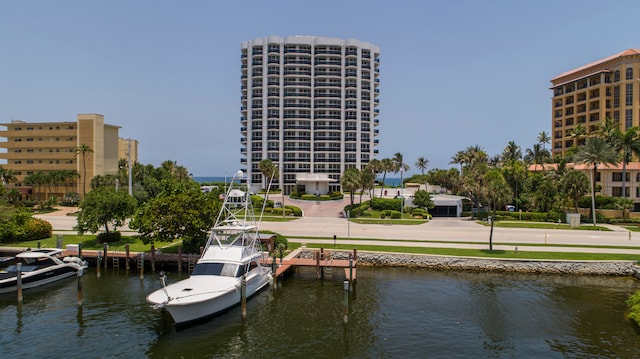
391,313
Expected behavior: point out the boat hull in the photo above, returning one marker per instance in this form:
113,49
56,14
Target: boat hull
198,310
32,280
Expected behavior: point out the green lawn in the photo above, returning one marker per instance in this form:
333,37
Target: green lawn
542,225
89,242
411,221
461,252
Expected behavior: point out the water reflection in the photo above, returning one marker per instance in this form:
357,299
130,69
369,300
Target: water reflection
391,313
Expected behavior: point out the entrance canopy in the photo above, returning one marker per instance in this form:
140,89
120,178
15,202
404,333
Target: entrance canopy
314,183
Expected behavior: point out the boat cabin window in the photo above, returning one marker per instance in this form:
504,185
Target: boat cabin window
222,269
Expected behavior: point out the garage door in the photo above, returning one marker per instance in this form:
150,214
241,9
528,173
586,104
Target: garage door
444,211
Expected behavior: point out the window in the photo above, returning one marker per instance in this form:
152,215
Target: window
629,95
617,176
629,75
628,118
616,76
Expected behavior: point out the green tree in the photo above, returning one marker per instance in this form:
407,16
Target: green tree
422,199
367,181
575,185
543,139
350,181
83,150
104,207
180,210
511,152
421,164
628,144
386,165
537,155
269,171
497,192
595,151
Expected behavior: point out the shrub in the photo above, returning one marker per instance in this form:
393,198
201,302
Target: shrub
37,228
109,237
381,204
633,304
296,211
278,211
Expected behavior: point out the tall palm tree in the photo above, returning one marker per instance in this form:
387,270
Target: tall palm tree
628,144
577,135
511,152
399,165
83,150
594,152
421,164
537,155
350,181
367,181
7,176
269,171
575,185
386,165
544,138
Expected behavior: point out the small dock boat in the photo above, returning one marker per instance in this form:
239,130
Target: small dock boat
231,258
39,267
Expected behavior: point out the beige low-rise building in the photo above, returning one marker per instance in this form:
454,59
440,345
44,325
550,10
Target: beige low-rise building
33,147
608,178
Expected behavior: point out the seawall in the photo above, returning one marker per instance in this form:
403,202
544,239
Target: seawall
610,268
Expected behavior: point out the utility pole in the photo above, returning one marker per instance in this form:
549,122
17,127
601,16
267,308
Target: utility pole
129,162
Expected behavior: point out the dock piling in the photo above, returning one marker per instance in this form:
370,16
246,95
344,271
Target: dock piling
243,295
106,249
19,281
80,294
153,258
141,265
126,262
345,285
98,264
179,259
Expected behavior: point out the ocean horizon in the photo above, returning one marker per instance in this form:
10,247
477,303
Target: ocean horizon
389,181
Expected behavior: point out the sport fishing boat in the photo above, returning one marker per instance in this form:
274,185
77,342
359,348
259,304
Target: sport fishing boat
232,258
39,267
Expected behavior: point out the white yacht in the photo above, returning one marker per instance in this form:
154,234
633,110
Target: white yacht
232,254
39,267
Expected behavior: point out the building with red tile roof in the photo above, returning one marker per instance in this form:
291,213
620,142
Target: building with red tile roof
585,96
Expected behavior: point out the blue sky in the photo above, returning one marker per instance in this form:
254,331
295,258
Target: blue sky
453,73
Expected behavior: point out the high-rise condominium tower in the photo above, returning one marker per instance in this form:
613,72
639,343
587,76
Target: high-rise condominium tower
310,105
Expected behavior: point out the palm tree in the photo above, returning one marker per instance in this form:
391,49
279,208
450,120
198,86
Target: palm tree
544,138
511,152
367,181
594,152
629,144
83,149
421,164
7,176
537,155
399,166
497,192
575,185
386,165
576,135
268,170
350,181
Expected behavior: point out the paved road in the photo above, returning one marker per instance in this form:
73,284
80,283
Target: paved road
447,232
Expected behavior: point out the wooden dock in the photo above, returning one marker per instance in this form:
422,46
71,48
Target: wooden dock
321,260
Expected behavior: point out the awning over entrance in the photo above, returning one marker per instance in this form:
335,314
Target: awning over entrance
314,183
